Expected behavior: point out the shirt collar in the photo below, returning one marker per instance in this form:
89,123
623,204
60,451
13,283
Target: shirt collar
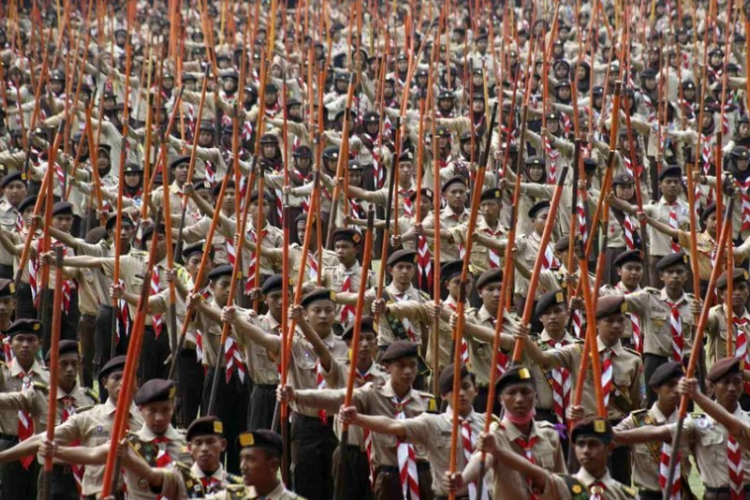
660,417
390,393
514,432
198,472
663,296
588,479
149,435
545,337
616,348
16,370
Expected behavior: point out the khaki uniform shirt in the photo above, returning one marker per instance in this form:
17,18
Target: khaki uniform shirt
249,493
627,377
620,289
557,489
302,369
8,218
381,198
448,220
546,450
528,247
273,237
482,258
716,330
660,243
480,353
211,336
377,400
192,214
433,433
34,401
334,279
276,259
12,380
651,306
142,442
542,376
93,428
199,231
647,457
706,247
261,363
386,335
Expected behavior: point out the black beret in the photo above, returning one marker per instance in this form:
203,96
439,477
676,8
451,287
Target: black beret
563,244
317,294
24,326
217,187
738,276
355,166
562,84
400,349
347,234
629,256
303,152
456,179
442,130
490,276
27,202
148,231
548,300
589,165
193,248
446,378
155,390
406,157
15,176
272,284
740,152
367,325
492,194
670,260
179,161
670,171
518,374
609,305
261,438
593,427
66,347
201,184
116,364
112,221
666,372
266,196
710,209
427,192
404,255
205,426
219,271
648,73
538,207
62,208
133,168
451,269
623,179
7,288
331,153
725,367
535,161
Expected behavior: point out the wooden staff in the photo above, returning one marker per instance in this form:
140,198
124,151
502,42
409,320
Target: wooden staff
258,231
54,369
127,390
730,288
697,351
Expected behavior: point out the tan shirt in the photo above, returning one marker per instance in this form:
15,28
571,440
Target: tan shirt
211,336
651,305
716,330
660,243
142,442
276,259
482,258
394,297
199,231
334,278
8,217
12,380
480,353
542,376
448,220
272,238
35,402
261,363
557,489
192,214
527,248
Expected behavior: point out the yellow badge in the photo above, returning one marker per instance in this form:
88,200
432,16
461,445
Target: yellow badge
432,406
218,427
524,374
356,238
744,276
172,392
685,258
498,193
600,427
247,439
12,288
36,326
624,307
23,177
560,297
576,489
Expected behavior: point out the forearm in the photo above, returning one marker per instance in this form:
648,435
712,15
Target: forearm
82,455
381,425
733,425
320,348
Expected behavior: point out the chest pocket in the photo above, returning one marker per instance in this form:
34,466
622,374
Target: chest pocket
443,440
714,444
545,455
88,275
660,319
304,359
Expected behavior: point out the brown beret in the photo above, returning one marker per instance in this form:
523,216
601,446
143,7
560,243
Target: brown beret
725,367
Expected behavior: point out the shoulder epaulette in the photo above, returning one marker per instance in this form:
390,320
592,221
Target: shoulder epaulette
40,386
632,351
638,412
652,290
576,489
182,466
234,479
91,393
425,295
494,426
628,491
82,409
697,415
543,424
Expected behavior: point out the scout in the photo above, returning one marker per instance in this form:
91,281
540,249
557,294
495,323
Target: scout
432,431
401,469
14,191
7,306
716,328
629,268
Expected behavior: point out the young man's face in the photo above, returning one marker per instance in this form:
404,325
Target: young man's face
490,294
256,464
455,196
466,395
518,399
591,453
25,346
193,263
555,318
68,370
490,210
454,286
63,222
206,451
740,294
630,273
157,416
15,192
403,371
402,272
180,173
667,392
274,301
346,252
254,210
624,191
674,277
161,244
7,305
113,384
728,390
321,314
405,171
611,328
540,220
221,288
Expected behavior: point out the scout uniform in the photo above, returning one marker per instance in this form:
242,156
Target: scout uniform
716,327
542,445
575,486
157,450
483,258
649,457
667,324
528,247
10,220
93,427
393,464
448,221
633,336
221,244
176,196
313,441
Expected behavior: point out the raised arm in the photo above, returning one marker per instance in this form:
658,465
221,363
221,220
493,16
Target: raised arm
250,331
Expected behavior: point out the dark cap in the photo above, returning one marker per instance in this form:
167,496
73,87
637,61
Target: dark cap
27,202
593,427
347,234
549,300
450,269
193,248
400,349
15,176
563,244
155,390
272,284
116,364
623,180
149,230
317,294
367,325
66,347
666,372
738,276
648,73
112,221
261,438
518,374
740,152
446,378
725,367
24,326
629,256
490,276
609,305
538,207
710,209
219,271
672,259
670,171
404,255
62,208
179,161
456,179
205,426
7,288
491,194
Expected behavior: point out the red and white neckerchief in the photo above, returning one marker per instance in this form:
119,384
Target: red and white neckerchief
247,130
548,260
199,346
233,360
250,282
272,111
424,261
243,191
33,268
675,225
66,286
7,351
210,484
561,385
706,152
502,358
210,172
728,108
666,454
734,464
407,457
25,422
577,323
59,173
675,325
231,252
493,254
583,228
378,172
162,455
156,319
627,229
741,350
69,409
279,203
597,490
527,446
469,443
464,344
650,107
356,210
19,223
406,200
607,372
635,323
320,383
745,194
312,267
552,155
347,311
405,321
